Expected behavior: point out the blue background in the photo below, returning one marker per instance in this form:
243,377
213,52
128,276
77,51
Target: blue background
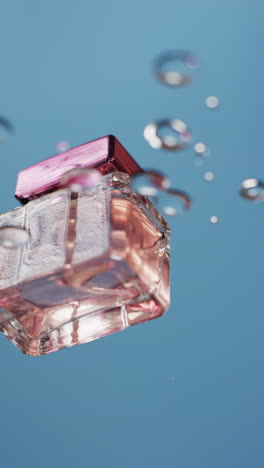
185,390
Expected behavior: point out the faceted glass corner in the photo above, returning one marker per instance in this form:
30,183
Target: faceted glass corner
105,154
94,264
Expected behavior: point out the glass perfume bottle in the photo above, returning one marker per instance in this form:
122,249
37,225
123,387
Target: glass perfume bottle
78,265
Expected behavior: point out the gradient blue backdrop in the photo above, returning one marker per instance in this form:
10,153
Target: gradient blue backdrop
185,390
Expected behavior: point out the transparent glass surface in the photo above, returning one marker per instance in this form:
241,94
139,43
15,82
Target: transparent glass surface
95,263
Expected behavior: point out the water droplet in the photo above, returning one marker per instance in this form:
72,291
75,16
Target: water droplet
200,149
13,237
212,102
175,67
252,189
62,146
6,129
209,176
148,183
170,134
172,202
214,219
81,179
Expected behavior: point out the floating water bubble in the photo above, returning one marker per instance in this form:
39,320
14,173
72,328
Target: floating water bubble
252,189
149,182
6,129
214,219
212,102
156,185
13,237
200,149
170,134
62,146
209,176
172,202
201,153
81,179
175,67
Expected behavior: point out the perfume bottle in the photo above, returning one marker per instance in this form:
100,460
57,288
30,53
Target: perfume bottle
76,266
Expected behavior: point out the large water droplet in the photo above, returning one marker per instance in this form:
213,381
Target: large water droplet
13,237
252,189
148,183
172,202
175,67
170,134
6,129
81,179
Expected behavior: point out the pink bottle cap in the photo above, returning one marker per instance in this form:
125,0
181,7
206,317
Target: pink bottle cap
105,154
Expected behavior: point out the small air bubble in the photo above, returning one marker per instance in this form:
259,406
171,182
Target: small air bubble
209,176
200,149
214,219
212,102
12,237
